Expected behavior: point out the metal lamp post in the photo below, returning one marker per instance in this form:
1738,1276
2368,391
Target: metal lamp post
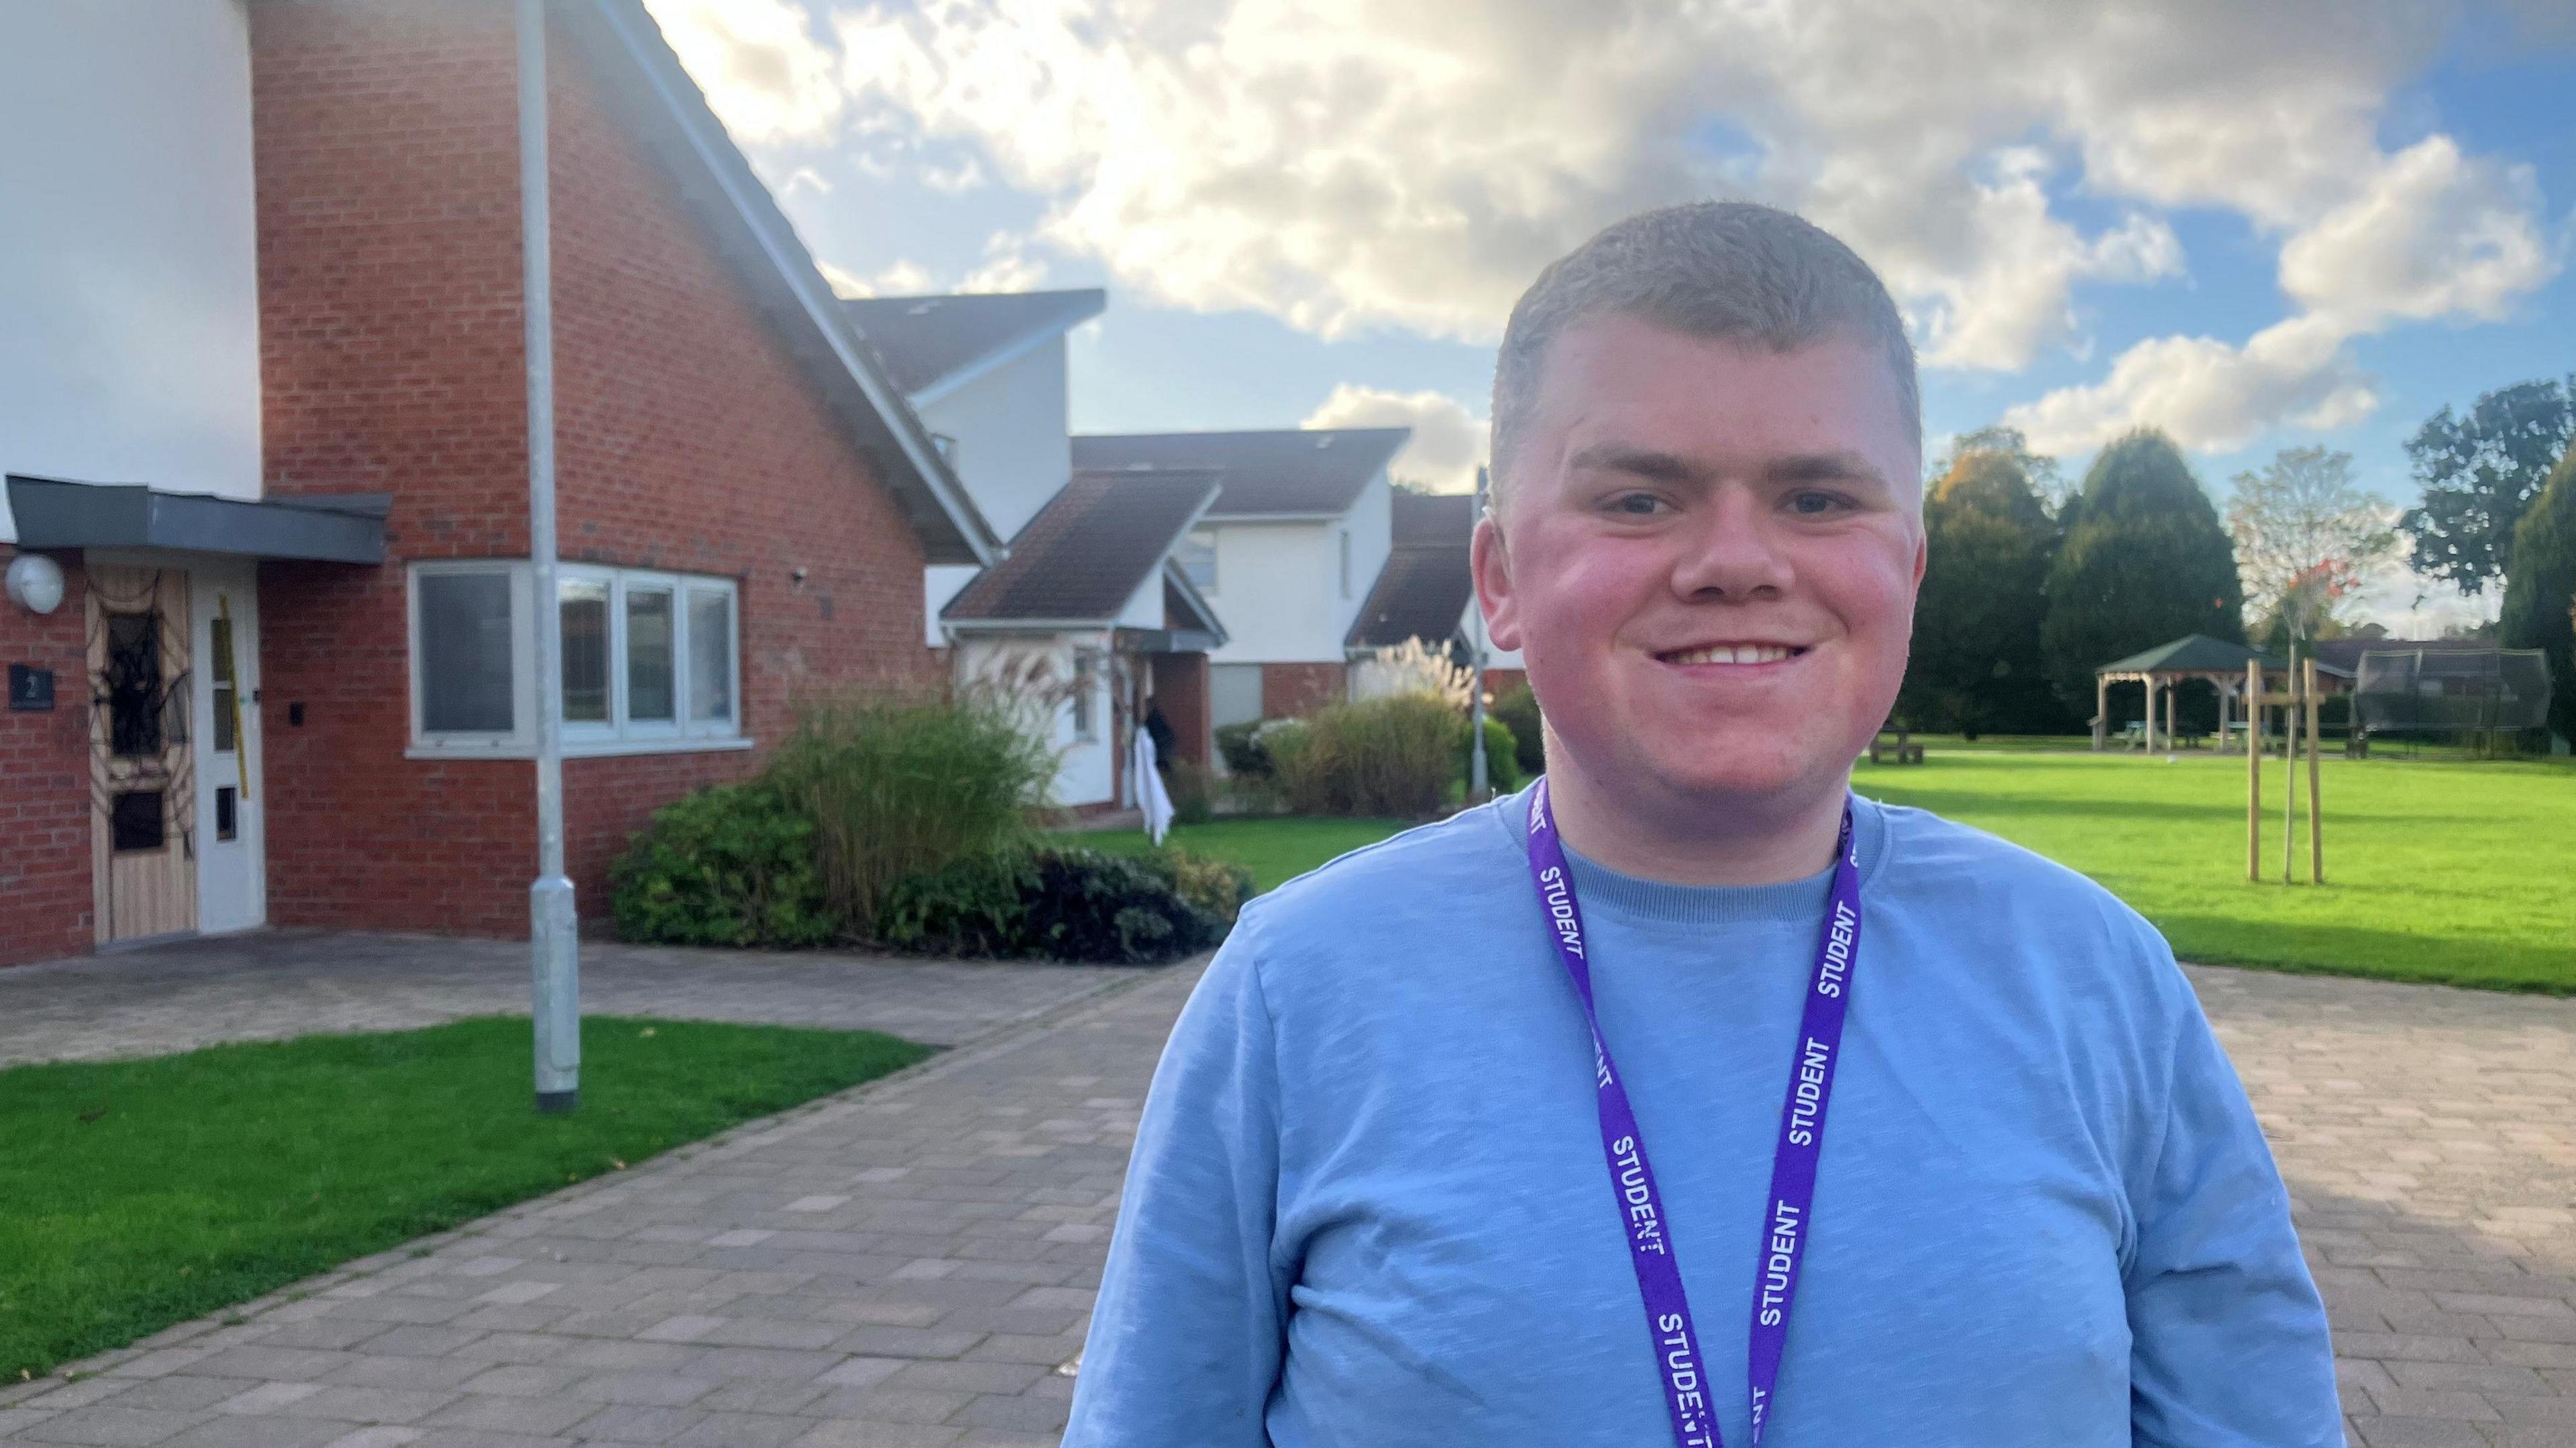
554,929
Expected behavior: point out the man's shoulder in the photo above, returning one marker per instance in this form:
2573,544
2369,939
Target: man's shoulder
1946,865
1424,873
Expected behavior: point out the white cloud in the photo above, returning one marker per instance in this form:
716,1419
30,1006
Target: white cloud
2206,393
764,72
2432,234
2423,234
1344,165
1007,266
905,278
1448,441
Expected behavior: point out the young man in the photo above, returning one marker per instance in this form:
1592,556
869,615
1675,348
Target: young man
1685,1080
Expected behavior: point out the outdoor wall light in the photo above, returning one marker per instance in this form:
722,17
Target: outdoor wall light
35,583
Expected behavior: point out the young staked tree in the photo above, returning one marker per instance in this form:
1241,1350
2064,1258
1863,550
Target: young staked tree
2480,472
2305,538
2540,589
1976,664
2144,561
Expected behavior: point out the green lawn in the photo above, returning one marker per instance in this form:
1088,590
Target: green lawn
1278,850
143,1193
2437,871
2440,870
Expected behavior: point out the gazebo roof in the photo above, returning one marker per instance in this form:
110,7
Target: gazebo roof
2192,654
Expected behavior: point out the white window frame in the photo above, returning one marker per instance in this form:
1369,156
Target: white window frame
1089,669
619,735
1202,538
520,739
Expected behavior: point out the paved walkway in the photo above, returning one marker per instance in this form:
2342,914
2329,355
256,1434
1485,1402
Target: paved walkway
909,1263
272,984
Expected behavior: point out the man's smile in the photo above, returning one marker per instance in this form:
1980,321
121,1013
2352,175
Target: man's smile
1732,654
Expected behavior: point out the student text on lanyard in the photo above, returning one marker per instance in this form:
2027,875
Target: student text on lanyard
1793,1168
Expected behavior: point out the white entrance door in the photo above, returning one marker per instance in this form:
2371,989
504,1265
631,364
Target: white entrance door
232,880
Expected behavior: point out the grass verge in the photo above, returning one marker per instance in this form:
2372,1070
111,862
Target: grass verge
144,1193
1278,849
2446,871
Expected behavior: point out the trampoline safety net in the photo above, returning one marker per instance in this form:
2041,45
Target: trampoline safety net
2471,689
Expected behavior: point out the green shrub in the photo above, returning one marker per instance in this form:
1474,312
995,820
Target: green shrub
1193,790
1518,708
1111,910
1076,905
1379,757
732,865
1502,757
974,906
1240,747
901,784
1215,888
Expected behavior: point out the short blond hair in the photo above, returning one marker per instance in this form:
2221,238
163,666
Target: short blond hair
1730,270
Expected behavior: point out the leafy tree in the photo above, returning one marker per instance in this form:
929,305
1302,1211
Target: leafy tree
2041,477
2144,562
1976,664
2540,591
2305,539
2479,473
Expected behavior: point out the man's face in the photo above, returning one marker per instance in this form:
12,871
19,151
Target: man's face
1707,557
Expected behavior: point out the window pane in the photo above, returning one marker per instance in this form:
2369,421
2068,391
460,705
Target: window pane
220,665
585,651
1197,555
138,698
648,655
465,653
710,655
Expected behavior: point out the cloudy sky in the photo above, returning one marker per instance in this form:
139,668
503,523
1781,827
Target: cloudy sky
2255,225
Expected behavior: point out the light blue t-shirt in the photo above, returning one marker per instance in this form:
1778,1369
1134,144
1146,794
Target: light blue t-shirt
1368,1205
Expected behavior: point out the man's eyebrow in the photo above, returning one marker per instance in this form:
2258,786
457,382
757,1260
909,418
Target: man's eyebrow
1830,467
1650,463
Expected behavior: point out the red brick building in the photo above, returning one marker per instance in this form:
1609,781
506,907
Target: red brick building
745,507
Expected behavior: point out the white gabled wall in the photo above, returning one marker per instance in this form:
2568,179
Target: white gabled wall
1279,585
1371,521
1275,592
130,290
1085,769
1013,452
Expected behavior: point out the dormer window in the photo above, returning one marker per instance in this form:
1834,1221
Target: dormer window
1196,554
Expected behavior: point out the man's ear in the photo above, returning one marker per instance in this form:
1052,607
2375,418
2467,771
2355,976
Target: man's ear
1491,563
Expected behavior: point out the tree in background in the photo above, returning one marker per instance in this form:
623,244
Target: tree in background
2040,473
2540,591
2144,561
1976,664
2305,538
2479,473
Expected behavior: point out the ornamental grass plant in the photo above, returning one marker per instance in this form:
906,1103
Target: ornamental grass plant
1388,757
899,785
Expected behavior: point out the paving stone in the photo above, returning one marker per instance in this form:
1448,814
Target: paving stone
2425,1135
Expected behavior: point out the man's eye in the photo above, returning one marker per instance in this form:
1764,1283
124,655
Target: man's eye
1638,505
1813,502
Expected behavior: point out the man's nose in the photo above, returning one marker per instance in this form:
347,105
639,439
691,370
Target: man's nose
1729,554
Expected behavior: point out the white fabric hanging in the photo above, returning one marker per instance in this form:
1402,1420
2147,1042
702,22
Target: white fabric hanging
1150,794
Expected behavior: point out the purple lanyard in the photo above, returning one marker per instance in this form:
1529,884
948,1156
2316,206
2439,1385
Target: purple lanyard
1793,1167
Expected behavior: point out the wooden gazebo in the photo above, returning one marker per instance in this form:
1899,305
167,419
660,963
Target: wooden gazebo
2164,668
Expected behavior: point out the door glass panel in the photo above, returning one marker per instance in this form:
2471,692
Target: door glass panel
585,651
465,653
648,655
710,655
219,667
227,812
136,701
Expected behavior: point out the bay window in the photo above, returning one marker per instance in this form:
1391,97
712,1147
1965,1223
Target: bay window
650,660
